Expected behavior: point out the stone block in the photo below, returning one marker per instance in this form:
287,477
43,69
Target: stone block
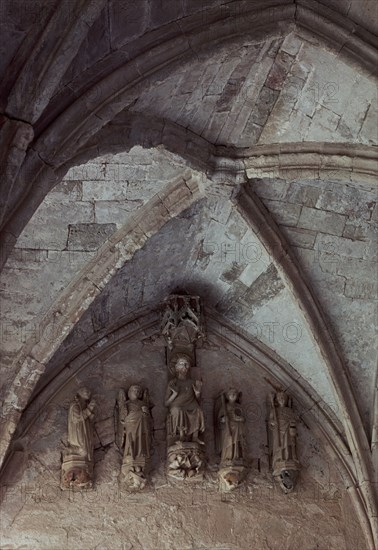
270,189
291,44
297,127
102,191
264,288
279,71
38,234
264,105
325,118
284,213
232,295
68,189
220,209
117,212
253,271
345,201
306,103
251,134
230,94
91,171
300,237
353,268
362,290
353,117
322,220
235,228
304,193
88,236
274,48
338,246
358,230
232,272
300,69
215,125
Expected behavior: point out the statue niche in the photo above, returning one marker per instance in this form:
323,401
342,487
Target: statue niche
185,422
77,457
133,435
283,441
182,327
229,424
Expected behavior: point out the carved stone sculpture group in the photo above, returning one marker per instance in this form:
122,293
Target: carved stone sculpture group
185,422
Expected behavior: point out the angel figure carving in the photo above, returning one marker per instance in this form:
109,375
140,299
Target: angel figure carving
133,434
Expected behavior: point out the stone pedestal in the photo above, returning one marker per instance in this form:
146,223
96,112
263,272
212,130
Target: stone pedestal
186,460
77,473
230,476
134,473
286,474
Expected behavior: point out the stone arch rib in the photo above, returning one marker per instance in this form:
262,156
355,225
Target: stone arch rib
343,161
98,102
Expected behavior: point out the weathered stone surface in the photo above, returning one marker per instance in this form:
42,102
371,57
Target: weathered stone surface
339,246
88,236
239,74
300,237
167,515
318,220
284,216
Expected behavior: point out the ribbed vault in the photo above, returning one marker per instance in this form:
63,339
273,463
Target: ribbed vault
224,149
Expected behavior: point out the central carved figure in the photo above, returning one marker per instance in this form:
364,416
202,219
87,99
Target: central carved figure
185,420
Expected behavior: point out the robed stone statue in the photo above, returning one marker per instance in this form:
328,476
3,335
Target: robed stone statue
185,421
133,435
229,423
283,441
77,463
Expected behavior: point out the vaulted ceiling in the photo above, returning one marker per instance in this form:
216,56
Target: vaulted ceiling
227,149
